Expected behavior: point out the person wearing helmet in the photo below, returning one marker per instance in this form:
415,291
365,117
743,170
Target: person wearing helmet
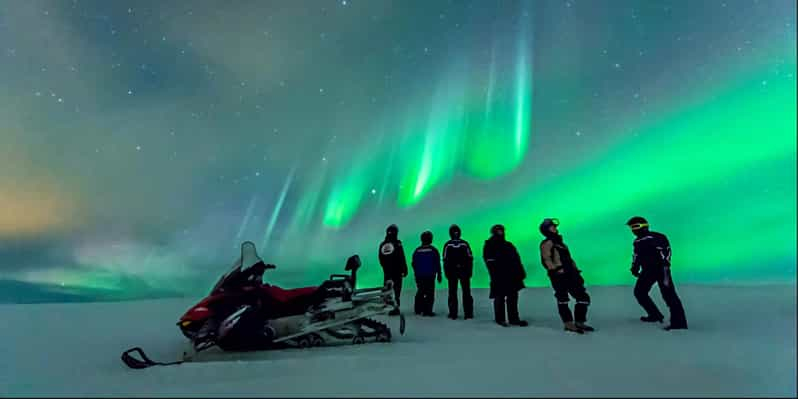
393,262
426,268
651,263
507,276
458,266
565,277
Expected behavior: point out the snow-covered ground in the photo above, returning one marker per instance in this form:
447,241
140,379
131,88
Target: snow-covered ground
741,342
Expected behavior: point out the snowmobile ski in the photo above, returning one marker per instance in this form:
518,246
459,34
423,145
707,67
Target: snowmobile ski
143,361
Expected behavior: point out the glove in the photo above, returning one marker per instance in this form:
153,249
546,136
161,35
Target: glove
440,278
635,272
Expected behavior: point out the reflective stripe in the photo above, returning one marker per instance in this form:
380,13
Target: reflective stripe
562,303
583,302
667,280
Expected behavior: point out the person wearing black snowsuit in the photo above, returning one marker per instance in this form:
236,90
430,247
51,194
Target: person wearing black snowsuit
566,278
458,267
651,263
426,268
393,262
507,276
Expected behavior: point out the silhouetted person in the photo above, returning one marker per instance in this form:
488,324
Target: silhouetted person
507,276
565,277
458,266
426,268
393,262
651,264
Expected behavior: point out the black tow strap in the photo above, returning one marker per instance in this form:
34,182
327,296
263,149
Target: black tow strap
143,362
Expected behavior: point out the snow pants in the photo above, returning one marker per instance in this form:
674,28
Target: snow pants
425,295
397,286
508,301
661,277
570,282
468,301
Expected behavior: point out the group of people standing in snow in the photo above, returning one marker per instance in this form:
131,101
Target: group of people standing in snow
650,265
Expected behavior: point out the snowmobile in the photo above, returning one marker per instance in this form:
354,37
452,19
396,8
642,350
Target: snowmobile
242,313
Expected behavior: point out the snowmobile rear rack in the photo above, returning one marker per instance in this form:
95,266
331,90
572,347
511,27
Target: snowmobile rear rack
144,361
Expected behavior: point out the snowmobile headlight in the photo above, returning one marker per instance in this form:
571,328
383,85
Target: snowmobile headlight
185,323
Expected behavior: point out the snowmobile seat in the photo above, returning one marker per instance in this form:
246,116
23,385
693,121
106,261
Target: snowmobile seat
285,296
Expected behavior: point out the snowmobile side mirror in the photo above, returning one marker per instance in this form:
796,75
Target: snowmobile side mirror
353,263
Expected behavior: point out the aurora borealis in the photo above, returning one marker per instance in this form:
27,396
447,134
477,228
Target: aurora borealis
143,141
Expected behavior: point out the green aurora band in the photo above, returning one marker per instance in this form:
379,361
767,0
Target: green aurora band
724,193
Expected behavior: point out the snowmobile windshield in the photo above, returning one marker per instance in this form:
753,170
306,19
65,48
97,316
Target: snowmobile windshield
227,278
249,257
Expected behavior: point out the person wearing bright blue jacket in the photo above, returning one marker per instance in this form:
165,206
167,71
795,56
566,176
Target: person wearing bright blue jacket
427,268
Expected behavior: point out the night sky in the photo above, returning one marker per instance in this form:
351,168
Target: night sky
143,141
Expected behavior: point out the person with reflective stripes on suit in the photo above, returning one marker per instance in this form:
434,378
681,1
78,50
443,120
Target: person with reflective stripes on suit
427,268
651,263
565,278
458,267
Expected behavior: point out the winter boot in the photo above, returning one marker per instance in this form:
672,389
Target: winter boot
675,327
584,326
571,326
394,312
452,316
519,323
652,319
502,323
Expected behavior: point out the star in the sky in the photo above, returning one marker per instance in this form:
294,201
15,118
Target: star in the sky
344,2
130,92
373,191
138,148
